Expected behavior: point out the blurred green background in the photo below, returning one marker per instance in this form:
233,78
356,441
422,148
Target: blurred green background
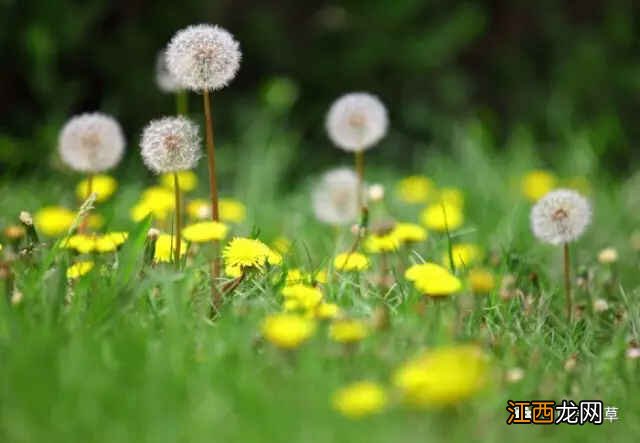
546,73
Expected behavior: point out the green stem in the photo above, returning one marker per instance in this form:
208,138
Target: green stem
567,281
178,219
182,104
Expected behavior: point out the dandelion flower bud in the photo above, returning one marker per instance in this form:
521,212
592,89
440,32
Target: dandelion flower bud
335,198
357,121
560,217
91,143
164,78
170,144
203,57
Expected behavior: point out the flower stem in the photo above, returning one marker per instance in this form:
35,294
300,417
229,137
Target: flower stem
360,173
85,221
178,221
216,297
182,104
567,281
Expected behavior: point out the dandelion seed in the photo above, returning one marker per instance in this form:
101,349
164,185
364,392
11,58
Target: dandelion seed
170,144
360,399
561,216
335,198
357,121
91,143
203,57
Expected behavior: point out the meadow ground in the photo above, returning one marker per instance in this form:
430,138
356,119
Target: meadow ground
127,353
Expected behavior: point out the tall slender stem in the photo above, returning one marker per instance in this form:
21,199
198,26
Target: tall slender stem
567,281
216,297
360,173
211,156
182,103
84,224
178,219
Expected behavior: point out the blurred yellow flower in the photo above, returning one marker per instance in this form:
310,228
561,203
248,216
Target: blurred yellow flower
443,376
360,399
287,331
232,210
351,261
80,242
188,181
299,296
326,311
321,276
535,184
248,253
451,196
432,279
381,243
348,330
110,241
165,248
415,189
160,202
79,269
282,245
464,255
294,276
409,233
102,185
482,281
0,247
54,220
440,217
198,209
85,244
205,231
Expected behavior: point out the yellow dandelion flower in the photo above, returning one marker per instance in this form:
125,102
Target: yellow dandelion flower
246,253
351,261
281,245
287,331
348,331
443,376
199,209
409,233
110,241
166,247
360,399
464,255
233,271
382,243
321,276
188,181
535,184
80,242
482,281
0,247
54,220
79,269
439,217
432,279
302,296
102,185
160,202
294,277
327,311
231,210
415,189
451,196
205,232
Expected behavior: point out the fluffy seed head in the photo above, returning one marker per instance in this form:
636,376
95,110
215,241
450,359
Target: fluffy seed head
170,144
91,142
335,198
357,121
560,217
164,79
203,57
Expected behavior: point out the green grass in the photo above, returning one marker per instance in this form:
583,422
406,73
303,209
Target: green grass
128,354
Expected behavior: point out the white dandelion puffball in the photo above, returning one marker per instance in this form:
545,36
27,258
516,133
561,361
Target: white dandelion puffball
203,57
560,217
91,142
335,198
170,144
357,121
164,79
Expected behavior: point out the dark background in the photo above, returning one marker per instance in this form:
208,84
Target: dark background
542,68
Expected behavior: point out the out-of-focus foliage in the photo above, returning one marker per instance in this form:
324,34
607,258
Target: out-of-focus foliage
548,73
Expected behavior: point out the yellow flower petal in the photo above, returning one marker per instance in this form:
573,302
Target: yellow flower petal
360,399
102,185
205,232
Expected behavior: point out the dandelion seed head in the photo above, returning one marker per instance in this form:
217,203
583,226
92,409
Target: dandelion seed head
335,198
165,80
560,217
170,144
91,142
357,121
203,57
